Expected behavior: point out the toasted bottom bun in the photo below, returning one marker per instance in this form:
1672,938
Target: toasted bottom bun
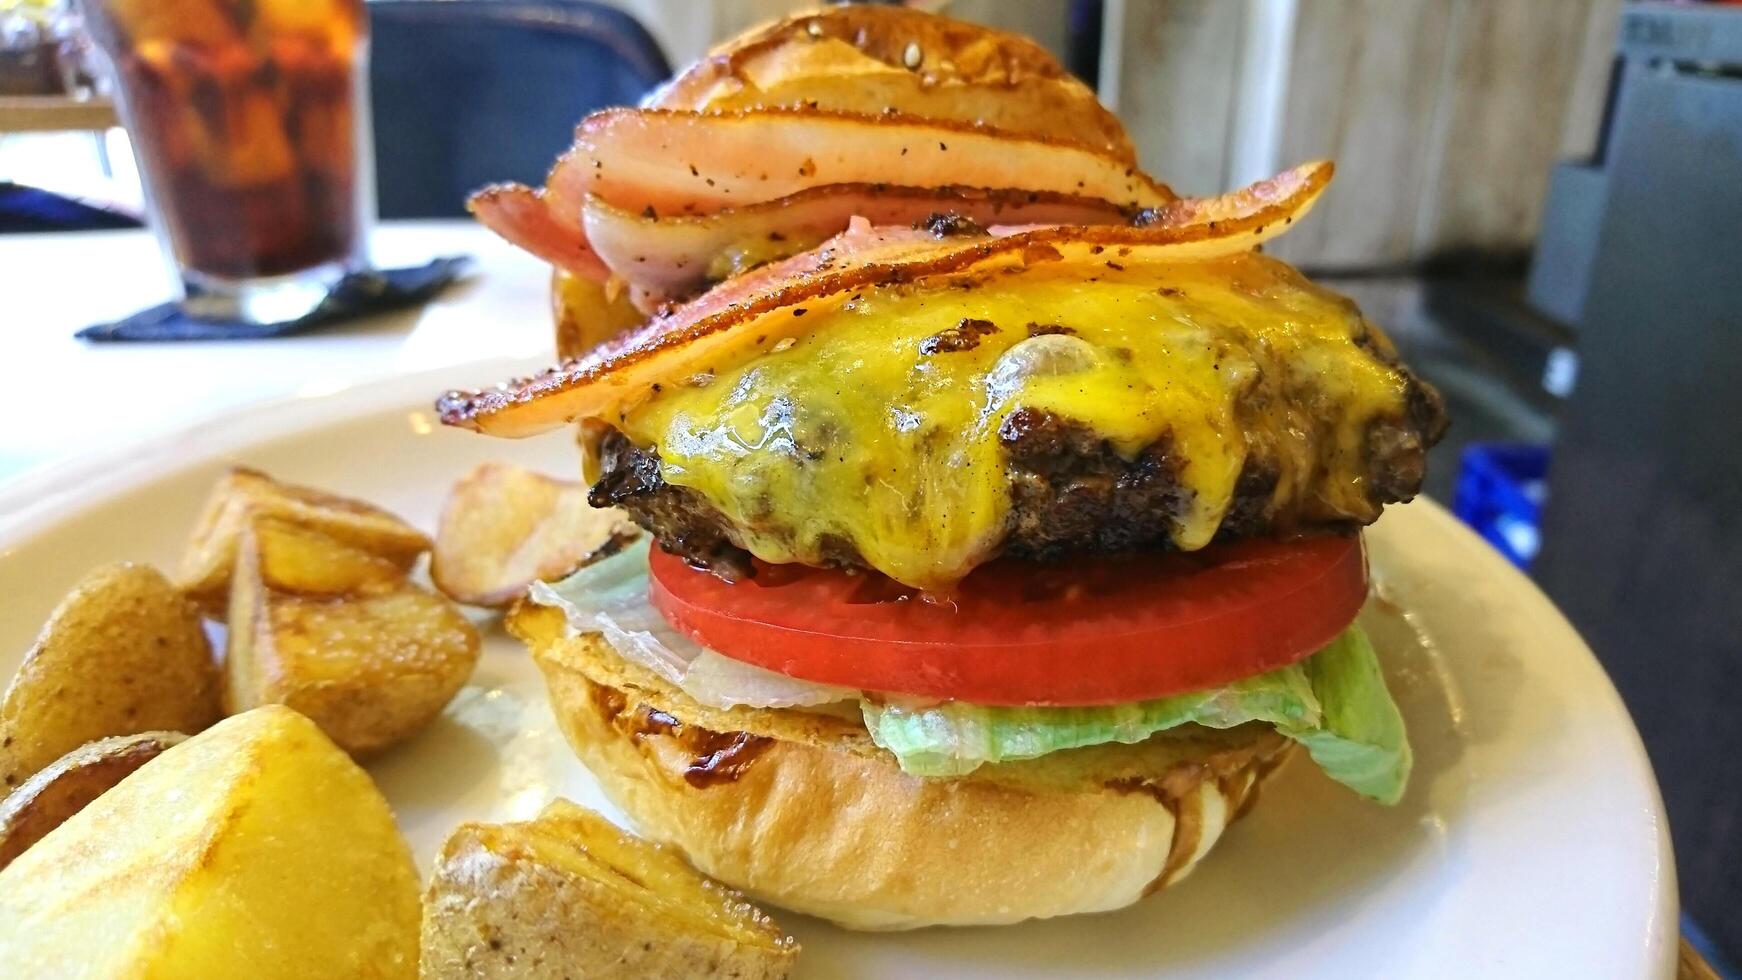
801,809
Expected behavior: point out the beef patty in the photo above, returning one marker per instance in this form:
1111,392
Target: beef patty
1070,491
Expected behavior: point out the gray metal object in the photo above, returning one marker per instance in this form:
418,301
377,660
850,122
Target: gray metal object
1680,32
1566,245
1656,39
1643,529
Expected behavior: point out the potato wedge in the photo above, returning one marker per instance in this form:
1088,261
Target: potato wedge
49,798
244,493
294,557
504,528
569,894
124,652
587,314
341,636
256,849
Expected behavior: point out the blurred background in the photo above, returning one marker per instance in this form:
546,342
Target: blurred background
1538,200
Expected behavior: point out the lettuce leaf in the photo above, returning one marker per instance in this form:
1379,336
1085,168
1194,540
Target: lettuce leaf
1359,740
1334,703
609,597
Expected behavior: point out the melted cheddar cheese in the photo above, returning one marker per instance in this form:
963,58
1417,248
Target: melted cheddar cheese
869,430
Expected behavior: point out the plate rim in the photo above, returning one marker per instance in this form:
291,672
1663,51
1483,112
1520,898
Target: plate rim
38,495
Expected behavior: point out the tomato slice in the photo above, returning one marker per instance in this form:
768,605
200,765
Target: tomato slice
1100,630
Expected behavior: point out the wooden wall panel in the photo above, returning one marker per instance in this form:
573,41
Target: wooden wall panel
1502,112
1590,84
1444,116
1363,83
1173,82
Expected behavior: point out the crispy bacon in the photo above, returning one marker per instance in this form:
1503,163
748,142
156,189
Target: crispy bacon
530,219
753,312
840,101
669,163
677,256
795,171
664,190
862,243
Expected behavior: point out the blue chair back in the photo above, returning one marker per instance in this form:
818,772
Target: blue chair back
468,92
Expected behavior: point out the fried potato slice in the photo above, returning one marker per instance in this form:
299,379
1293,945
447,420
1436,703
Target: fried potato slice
586,314
570,894
124,652
294,557
505,527
245,493
340,635
49,798
256,849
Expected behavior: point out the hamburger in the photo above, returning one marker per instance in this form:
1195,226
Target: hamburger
1002,506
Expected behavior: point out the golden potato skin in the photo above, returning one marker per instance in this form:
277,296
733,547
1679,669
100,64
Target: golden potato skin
49,798
341,636
244,494
123,653
586,315
292,557
256,849
504,527
570,895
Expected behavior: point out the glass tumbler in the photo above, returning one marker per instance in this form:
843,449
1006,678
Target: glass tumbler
250,123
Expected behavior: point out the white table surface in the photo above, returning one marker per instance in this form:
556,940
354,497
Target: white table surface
66,397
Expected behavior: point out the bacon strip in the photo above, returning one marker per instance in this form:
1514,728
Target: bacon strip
861,244
670,163
759,170
751,313
529,218
677,256
1239,205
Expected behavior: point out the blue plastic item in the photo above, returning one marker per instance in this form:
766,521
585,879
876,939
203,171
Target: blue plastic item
470,92
25,208
1500,493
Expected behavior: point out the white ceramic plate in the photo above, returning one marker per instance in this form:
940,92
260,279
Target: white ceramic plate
1532,842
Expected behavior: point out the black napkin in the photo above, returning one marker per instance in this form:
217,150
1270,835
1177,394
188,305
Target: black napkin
358,294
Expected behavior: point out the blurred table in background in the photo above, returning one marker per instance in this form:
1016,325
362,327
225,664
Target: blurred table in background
55,114
1689,965
66,397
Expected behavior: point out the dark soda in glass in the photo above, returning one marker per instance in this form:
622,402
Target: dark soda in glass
247,120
